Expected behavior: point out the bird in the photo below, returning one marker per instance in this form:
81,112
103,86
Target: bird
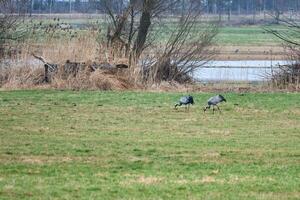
214,101
185,100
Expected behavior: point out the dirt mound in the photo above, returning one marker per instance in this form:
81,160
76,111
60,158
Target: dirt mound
34,78
96,80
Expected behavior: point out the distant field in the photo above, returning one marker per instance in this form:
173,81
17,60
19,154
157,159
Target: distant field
248,36
228,35
243,42
130,145
233,42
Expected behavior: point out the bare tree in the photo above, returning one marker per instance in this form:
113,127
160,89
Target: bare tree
184,52
288,75
120,34
8,25
123,31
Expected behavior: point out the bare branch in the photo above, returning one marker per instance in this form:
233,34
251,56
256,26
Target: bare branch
183,52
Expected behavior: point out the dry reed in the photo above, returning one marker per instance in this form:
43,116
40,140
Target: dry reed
23,71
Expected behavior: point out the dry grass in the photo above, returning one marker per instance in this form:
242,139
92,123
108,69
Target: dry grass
24,71
81,48
99,79
29,77
34,78
142,180
21,77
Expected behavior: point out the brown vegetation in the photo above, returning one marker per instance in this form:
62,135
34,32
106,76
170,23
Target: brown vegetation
52,65
8,30
26,77
288,76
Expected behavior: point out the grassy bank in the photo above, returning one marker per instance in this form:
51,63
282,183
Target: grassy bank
129,145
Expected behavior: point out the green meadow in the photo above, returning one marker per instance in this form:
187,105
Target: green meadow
135,145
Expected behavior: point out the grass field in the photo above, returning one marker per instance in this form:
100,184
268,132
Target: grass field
248,35
130,145
251,35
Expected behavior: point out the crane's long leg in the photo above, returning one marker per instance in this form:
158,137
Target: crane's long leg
218,108
213,109
205,108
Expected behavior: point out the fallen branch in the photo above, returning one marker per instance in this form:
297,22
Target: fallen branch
72,68
49,67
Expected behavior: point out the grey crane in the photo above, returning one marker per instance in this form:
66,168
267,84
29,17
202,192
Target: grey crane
214,101
185,100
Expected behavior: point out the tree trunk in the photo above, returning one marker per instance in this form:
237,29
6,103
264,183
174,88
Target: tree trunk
145,22
229,12
239,7
31,7
50,7
254,11
220,9
264,7
131,33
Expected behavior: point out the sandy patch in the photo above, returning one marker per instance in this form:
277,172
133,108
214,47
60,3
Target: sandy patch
32,160
221,132
203,180
208,179
144,180
149,180
211,154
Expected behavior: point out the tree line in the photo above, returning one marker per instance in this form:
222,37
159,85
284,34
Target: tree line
220,7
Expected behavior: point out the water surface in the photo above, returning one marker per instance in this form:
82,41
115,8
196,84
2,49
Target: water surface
246,70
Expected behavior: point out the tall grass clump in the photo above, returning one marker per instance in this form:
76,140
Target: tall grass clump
85,49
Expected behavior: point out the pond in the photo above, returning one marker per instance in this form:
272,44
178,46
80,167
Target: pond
245,70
